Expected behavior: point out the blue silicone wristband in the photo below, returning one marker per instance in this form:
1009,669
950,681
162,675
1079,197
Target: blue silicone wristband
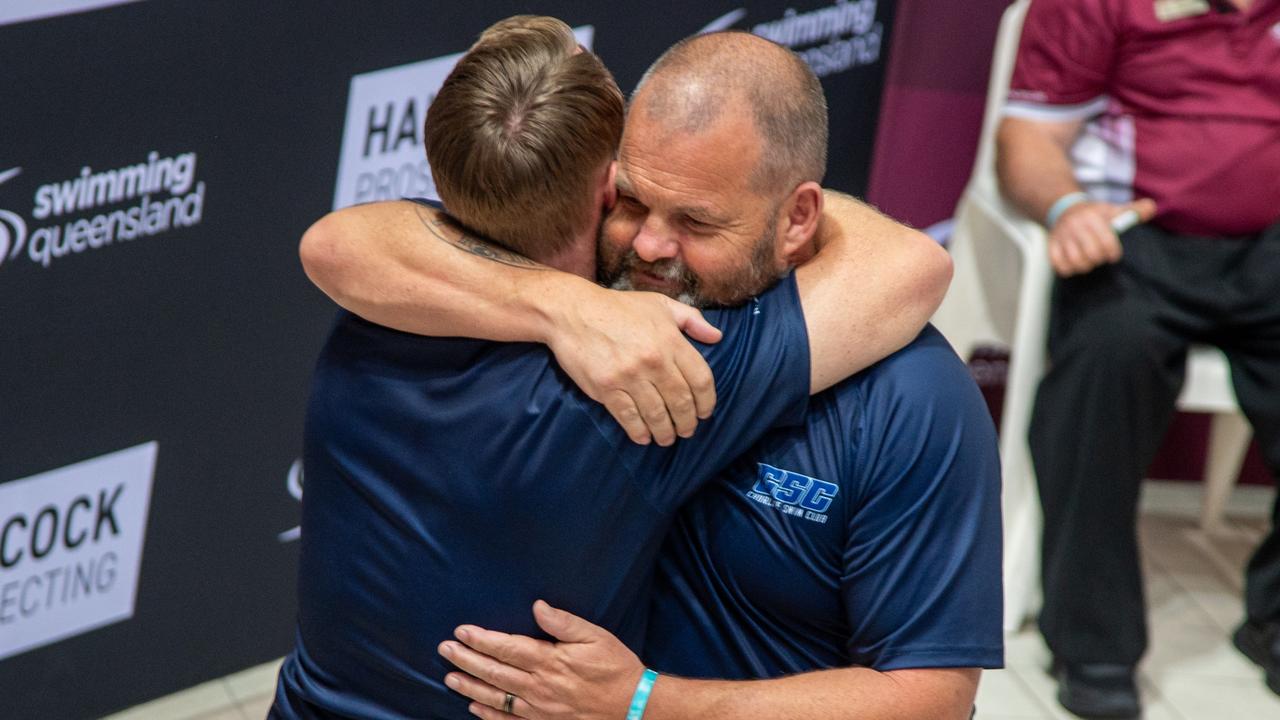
641,696
1061,205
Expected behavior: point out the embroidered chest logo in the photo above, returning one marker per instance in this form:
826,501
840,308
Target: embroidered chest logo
792,493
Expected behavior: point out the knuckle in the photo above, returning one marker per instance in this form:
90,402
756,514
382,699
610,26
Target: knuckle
655,415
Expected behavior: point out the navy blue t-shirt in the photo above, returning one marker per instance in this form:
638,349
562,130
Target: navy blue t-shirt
451,480
868,536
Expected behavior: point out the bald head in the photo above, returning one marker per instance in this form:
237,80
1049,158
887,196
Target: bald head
700,79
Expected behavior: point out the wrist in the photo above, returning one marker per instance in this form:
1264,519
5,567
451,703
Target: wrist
553,305
677,698
640,698
1062,205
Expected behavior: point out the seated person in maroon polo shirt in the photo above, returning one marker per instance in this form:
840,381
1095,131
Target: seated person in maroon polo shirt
1169,108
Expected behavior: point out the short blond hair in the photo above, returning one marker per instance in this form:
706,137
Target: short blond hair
519,132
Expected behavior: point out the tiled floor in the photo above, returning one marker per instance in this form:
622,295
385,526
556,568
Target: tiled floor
1191,671
245,695
241,696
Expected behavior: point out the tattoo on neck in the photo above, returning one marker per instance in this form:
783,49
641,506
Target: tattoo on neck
449,232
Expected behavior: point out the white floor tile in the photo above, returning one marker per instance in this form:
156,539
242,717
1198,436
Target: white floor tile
256,708
1225,609
1045,690
1001,695
1194,650
1184,499
1026,650
1042,687
232,712
203,699
1170,608
255,681
1198,698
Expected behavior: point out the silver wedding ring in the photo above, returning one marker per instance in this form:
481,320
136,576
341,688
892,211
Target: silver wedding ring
508,702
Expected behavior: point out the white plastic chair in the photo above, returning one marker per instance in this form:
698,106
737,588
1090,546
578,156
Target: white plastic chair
1000,295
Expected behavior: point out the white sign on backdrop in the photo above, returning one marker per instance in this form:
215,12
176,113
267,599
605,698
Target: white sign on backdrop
16,11
71,547
382,157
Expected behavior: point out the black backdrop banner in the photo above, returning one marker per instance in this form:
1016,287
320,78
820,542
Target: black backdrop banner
158,162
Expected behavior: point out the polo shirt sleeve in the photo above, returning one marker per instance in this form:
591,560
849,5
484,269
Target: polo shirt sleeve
921,580
1064,60
761,370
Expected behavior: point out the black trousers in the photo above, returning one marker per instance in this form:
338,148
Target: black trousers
1118,341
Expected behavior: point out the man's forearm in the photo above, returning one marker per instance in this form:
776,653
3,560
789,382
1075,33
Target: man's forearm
405,266
842,694
1033,164
869,291
408,267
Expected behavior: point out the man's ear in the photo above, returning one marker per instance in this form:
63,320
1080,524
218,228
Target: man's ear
800,215
610,188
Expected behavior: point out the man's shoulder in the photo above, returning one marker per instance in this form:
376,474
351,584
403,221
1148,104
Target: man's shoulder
926,366
920,395
928,351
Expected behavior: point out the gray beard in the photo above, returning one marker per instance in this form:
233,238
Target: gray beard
752,280
688,296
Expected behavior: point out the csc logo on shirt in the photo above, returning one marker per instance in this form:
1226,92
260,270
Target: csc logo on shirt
794,489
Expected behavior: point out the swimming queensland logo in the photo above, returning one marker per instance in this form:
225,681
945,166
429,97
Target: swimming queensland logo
293,483
382,156
13,229
793,494
83,212
831,39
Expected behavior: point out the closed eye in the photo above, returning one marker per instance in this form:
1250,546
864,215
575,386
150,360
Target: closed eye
697,226
631,204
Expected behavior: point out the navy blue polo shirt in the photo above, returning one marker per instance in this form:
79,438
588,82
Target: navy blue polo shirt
454,481
870,535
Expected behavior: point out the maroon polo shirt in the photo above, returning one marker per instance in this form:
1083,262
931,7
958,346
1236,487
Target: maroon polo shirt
1180,98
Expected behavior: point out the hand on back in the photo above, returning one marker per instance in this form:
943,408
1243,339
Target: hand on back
586,674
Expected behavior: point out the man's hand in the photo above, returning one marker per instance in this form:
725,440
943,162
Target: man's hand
589,674
626,352
1083,239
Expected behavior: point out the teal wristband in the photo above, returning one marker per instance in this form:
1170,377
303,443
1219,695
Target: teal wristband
1061,205
641,696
